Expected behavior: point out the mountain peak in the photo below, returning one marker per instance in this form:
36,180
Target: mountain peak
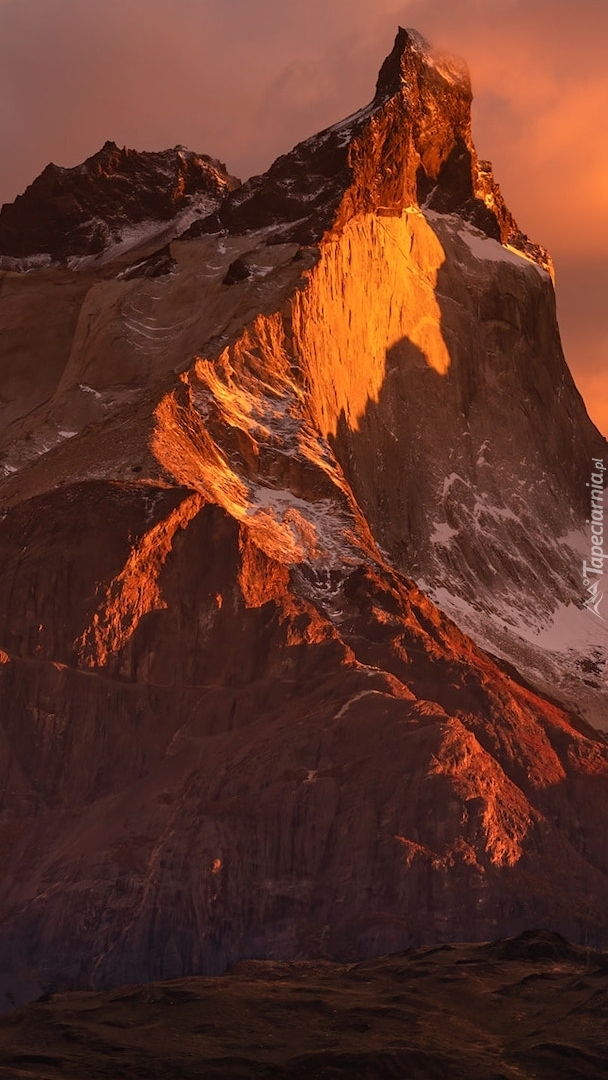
83,211
410,51
411,146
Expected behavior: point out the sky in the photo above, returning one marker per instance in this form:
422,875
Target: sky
243,80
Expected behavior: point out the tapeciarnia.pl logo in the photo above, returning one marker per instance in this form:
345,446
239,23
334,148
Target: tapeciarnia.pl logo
593,571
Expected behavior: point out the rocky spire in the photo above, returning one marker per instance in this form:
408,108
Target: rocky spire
411,146
412,52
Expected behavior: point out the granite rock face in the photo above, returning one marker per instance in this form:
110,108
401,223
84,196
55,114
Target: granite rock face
231,723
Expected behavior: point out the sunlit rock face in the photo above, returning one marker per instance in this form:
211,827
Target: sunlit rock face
475,483
231,724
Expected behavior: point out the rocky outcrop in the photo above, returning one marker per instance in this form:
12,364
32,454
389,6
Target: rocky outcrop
115,197
232,726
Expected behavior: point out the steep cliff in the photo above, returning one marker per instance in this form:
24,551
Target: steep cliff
231,724
475,482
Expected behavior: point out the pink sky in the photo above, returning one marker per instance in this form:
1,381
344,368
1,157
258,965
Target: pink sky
244,80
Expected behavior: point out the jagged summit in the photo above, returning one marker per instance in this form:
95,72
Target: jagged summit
114,198
411,146
404,59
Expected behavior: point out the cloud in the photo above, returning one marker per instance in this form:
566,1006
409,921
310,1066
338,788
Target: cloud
582,287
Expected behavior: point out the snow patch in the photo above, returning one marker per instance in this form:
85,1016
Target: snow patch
356,697
442,533
482,247
89,390
26,264
562,652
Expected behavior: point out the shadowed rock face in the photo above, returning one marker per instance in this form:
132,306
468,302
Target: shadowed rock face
231,725
80,211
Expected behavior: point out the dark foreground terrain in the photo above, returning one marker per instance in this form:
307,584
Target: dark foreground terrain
530,1006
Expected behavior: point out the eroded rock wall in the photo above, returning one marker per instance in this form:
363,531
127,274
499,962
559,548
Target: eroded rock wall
231,725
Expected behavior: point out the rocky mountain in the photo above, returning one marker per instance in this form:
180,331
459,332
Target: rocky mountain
114,200
237,469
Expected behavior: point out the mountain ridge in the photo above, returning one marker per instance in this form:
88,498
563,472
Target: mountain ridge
232,724
71,213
